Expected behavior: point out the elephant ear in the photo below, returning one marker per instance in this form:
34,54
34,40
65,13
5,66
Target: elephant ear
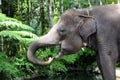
87,26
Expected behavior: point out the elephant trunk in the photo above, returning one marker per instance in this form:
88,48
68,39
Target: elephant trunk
44,41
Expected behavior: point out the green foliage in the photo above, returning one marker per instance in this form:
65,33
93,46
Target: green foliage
4,18
7,69
7,23
58,66
11,28
22,64
22,36
55,19
16,36
70,59
10,25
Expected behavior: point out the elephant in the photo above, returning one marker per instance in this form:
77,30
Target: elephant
97,28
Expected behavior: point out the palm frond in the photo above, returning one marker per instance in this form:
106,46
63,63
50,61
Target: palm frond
19,35
3,17
14,26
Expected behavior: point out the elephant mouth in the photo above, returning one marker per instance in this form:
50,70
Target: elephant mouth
63,52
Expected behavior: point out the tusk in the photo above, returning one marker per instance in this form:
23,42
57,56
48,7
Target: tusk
85,44
59,55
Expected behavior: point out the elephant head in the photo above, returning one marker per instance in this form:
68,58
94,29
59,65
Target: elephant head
70,33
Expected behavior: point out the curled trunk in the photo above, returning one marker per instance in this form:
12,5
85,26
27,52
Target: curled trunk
44,41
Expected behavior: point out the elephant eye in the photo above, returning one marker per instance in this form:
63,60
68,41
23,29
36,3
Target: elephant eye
61,31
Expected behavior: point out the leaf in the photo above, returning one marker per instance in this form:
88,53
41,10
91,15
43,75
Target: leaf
14,26
3,17
58,66
25,37
70,59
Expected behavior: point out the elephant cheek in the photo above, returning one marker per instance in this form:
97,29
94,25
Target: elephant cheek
78,46
70,47
72,50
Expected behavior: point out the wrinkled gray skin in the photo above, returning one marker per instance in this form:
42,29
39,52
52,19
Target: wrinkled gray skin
98,28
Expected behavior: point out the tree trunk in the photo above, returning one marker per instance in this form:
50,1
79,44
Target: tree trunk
28,12
42,17
100,2
89,3
118,1
2,44
61,6
50,13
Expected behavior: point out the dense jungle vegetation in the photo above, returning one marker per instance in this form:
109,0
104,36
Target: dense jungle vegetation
22,22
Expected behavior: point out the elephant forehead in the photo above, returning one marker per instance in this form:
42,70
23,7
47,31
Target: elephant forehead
68,20
70,16
72,12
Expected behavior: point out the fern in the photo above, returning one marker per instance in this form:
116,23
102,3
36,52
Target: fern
70,59
17,34
6,67
14,29
22,36
58,66
7,23
3,17
10,25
